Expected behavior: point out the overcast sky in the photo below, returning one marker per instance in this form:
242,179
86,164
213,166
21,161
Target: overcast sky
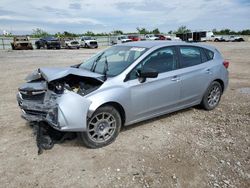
21,16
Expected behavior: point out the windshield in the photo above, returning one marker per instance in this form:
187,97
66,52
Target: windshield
87,38
50,38
117,58
124,37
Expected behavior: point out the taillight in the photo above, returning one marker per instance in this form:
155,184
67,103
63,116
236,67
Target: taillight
226,64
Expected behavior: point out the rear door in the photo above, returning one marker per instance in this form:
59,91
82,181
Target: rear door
196,74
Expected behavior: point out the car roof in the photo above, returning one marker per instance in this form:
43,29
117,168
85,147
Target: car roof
160,43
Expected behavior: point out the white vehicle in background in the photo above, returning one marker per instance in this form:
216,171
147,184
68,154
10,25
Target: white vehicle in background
119,39
233,38
88,42
176,39
172,38
218,39
207,36
151,37
71,44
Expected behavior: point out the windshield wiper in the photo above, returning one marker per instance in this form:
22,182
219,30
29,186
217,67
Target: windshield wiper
106,68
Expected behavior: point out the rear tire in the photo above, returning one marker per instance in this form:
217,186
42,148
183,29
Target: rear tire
212,96
102,128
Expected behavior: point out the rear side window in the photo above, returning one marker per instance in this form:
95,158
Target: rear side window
190,56
209,53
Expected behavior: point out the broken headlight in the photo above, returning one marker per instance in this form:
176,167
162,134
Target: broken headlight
52,116
59,88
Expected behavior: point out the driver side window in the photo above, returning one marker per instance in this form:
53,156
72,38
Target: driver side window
162,60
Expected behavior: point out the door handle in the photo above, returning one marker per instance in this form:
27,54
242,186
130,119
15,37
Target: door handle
175,78
208,71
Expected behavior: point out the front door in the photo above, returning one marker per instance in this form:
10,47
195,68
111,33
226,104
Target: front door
156,95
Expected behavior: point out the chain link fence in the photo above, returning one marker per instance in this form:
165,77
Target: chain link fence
5,42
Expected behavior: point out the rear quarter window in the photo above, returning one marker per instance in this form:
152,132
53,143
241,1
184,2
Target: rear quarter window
209,53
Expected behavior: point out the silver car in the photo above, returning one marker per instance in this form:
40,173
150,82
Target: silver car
122,85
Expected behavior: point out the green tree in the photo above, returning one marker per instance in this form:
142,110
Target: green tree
68,34
58,34
182,29
156,31
38,33
118,32
142,30
170,32
89,33
225,32
245,32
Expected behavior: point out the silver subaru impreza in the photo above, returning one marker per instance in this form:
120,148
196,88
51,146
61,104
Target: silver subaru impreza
122,85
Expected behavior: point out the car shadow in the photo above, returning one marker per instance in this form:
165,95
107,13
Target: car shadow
132,126
47,136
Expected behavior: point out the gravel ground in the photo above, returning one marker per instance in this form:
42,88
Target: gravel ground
189,148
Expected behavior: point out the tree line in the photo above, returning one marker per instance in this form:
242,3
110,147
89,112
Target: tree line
38,33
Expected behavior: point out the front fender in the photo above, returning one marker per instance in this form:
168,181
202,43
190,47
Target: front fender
72,112
117,94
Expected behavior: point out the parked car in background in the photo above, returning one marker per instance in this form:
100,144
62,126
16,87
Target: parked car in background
71,44
134,37
234,38
151,37
48,43
112,88
161,37
119,39
177,39
168,37
21,43
218,39
88,42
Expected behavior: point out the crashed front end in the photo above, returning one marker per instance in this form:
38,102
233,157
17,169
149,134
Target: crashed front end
23,45
60,102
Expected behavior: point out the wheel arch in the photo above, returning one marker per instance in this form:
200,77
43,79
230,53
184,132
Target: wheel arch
118,107
221,83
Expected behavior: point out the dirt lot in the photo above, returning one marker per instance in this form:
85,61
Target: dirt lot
190,148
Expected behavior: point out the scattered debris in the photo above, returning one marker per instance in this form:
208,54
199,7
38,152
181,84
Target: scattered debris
46,136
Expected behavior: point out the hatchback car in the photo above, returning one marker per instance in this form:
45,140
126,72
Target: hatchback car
122,85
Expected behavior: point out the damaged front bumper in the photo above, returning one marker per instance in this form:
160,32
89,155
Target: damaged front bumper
64,112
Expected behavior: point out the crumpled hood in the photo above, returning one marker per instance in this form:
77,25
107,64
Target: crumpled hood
50,74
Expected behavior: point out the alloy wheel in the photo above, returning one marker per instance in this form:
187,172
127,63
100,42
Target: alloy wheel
101,127
214,96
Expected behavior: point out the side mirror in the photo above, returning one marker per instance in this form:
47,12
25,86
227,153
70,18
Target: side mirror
146,73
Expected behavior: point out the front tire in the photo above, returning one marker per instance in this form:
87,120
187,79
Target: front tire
102,128
212,96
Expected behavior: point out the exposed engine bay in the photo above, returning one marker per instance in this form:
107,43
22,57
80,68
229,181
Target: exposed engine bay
79,85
